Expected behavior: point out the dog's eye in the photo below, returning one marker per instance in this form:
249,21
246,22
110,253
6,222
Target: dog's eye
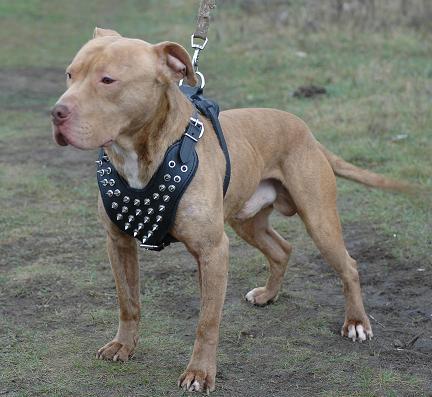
107,80
68,75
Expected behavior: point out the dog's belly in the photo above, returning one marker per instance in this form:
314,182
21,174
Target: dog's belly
269,192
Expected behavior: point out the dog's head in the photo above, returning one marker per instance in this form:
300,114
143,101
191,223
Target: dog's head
114,87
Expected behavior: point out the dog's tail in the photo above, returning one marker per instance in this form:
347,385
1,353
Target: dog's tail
349,171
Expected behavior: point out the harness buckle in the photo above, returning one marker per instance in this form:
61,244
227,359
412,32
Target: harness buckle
197,123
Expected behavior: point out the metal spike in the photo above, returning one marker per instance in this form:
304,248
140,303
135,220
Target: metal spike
98,162
137,202
144,240
140,226
125,209
108,170
150,211
126,199
114,205
119,217
105,157
104,182
155,196
146,219
109,193
167,177
127,226
138,212
154,227
171,188
135,233
158,218
166,198
117,192
162,188
112,182
101,172
161,208
149,234
146,201
131,218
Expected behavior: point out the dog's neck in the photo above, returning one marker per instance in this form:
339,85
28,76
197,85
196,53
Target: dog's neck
137,153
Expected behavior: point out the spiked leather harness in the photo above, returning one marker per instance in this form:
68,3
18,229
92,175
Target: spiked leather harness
148,213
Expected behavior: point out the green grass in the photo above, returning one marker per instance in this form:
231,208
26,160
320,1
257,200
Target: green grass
57,296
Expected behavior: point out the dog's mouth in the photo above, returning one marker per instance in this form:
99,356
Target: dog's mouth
60,138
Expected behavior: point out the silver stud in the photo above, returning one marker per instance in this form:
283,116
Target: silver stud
98,162
171,188
146,219
150,211
177,179
146,201
101,172
158,218
140,226
112,182
119,217
114,205
108,170
131,218
162,188
135,233
109,193
124,209
117,192
171,164
154,227
137,202
166,198
155,196
138,212
127,226
161,208
104,182
167,177
126,199
184,168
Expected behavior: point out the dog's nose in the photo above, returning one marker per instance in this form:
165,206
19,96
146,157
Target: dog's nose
60,113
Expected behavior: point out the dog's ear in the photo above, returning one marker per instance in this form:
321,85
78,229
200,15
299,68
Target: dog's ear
99,32
175,62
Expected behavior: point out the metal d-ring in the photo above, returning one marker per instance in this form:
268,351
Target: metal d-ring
202,79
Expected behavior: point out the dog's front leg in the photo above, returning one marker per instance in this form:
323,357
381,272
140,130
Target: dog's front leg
122,253
213,273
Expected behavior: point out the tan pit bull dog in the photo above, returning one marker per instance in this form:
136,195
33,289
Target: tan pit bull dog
123,96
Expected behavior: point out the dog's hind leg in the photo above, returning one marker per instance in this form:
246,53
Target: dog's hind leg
258,232
312,186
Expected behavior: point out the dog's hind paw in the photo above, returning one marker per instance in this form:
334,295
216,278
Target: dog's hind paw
115,351
261,296
357,331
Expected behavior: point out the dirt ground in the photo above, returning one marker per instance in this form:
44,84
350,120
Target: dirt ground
290,348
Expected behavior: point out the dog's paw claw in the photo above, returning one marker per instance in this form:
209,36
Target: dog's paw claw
356,331
115,351
196,381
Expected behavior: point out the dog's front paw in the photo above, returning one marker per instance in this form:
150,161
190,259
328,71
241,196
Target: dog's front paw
357,330
116,351
261,296
197,380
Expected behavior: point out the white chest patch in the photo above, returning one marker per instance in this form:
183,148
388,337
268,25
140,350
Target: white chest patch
130,166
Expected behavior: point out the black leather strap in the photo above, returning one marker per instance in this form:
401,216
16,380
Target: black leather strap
210,109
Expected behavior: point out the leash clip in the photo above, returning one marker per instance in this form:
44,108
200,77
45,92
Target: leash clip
198,48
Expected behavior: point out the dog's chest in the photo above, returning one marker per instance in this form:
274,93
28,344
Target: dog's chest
130,167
